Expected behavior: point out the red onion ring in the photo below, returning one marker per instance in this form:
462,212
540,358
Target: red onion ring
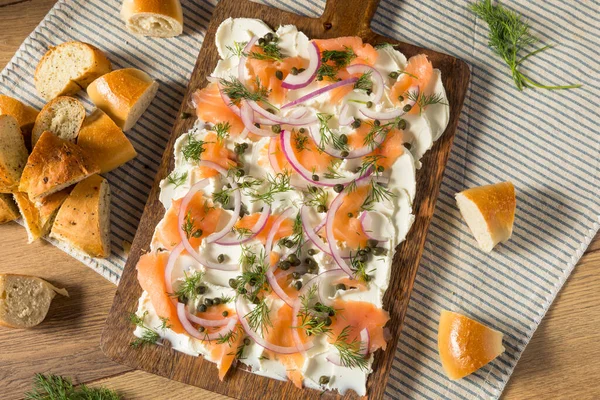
345,118
247,115
237,202
396,112
375,76
282,217
319,92
366,220
258,226
189,328
272,118
242,64
169,267
278,289
364,348
242,311
305,77
312,232
323,298
227,100
286,146
272,155
208,322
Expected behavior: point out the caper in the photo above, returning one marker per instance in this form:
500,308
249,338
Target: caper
233,283
221,258
182,299
309,261
311,269
331,312
302,130
296,275
284,265
350,215
261,42
328,321
270,110
324,380
279,75
344,154
245,145
400,98
269,37
301,70
340,286
239,149
369,104
379,251
408,146
201,289
338,188
294,260
294,71
252,282
344,138
298,285
197,234
256,124
312,252
407,108
362,253
377,122
247,342
315,177
356,123
217,301
402,124
321,208
224,313
239,172
288,243
202,308
201,329
393,75
372,243
255,300
367,250
367,278
208,302
380,168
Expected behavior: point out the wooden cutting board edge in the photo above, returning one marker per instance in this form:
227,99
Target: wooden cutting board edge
341,18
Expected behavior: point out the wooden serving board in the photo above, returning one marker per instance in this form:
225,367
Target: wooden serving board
341,18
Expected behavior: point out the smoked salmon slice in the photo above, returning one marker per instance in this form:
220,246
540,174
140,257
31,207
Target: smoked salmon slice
211,108
418,72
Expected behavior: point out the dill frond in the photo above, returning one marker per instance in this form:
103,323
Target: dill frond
222,130
364,82
237,49
237,91
177,179
350,351
279,183
54,387
327,136
188,288
193,149
149,336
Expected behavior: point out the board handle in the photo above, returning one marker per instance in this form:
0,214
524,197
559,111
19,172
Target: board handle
346,15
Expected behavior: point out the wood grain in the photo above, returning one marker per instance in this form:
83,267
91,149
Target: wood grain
340,18
559,363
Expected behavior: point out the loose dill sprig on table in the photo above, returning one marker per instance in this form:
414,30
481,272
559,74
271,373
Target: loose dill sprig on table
177,179
509,35
149,335
54,387
350,355
193,149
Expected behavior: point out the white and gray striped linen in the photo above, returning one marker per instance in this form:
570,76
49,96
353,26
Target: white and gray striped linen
547,143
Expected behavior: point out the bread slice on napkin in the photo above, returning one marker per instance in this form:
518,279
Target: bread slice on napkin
13,154
63,116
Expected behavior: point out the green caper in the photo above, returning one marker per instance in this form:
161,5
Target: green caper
350,215
393,75
312,252
338,188
224,313
315,177
252,282
311,269
363,258
242,291
197,234
245,145
321,208
276,128
296,275
362,253
344,138
284,265
247,341
279,75
356,123
340,286
301,70
239,149
270,110
400,98
372,243
202,308
328,321
269,37
294,71
377,122
261,42
217,301
288,243
367,250
201,329
369,104
294,260
239,172
201,289
302,130
367,278
344,154
401,124
380,168
221,258
408,146
208,302
407,108
309,261
256,124
233,283
298,285
324,380
379,251
182,299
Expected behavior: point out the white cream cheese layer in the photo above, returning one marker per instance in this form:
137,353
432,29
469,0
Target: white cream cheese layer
394,217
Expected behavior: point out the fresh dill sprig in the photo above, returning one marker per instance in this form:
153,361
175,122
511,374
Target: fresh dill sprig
424,100
222,196
364,82
316,196
253,278
237,49
327,71
328,137
177,179
377,194
359,266
222,130
370,164
54,387
350,355
333,169
164,323
149,335
237,91
510,35
193,149
270,52
334,60
189,226
226,299
296,239
242,232
280,183
377,130
258,317
314,319
229,338
300,141
188,289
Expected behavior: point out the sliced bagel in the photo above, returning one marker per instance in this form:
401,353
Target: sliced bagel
24,114
489,212
124,95
105,142
8,209
62,116
25,300
54,164
83,221
68,68
13,154
465,345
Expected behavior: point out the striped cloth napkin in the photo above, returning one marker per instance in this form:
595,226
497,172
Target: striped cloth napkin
545,142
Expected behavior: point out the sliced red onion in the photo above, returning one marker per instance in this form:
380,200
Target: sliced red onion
273,155
396,112
237,201
356,153
282,274
242,64
227,100
367,222
169,267
345,118
244,134
208,322
232,239
276,288
305,77
247,115
286,146
271,236
334,358
242,310
189,328
331,274
378,84
311,119
349,81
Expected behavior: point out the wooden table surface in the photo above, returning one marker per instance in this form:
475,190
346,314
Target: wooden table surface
560,362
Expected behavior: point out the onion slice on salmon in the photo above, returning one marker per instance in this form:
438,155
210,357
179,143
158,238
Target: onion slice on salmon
396,112
232,239
305,77
378,84
367,220
282,217
208,322
169,267
268,247
286,146
242,64
311,233
242,310
247,114
318,92
334,358
227,100
276,119
189,328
